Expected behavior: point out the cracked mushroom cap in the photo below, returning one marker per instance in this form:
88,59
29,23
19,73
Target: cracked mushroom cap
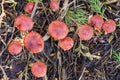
23,23
39,69
109,26
14,47
85,32
29,7
34,43
58,30
97,21
66,43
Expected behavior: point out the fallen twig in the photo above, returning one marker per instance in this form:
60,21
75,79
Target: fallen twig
34,9
110,2
3,13
4,74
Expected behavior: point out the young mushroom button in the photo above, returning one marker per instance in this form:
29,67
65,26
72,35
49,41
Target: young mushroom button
33,41
14,47
23,23
58,30
29,7
54,5
39,69
66,43
97,21
109,26
85,32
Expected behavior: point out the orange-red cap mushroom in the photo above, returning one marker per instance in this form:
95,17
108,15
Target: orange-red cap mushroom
97,21
39,69
66,43
23,23
14,47
109,26
58,30
29,7
85,32
54,5
33,41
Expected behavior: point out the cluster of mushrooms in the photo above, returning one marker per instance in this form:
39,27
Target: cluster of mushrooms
58,30
86,32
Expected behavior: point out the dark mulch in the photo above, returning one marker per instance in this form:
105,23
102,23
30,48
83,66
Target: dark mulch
61,65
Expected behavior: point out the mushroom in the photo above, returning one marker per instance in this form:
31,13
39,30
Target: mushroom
66,43
54,5
58,30
97,21
29,7
109,26
33,41
39,69
14,47
85,32
23,23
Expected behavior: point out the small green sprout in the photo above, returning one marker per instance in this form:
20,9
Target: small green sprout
116,56
118,25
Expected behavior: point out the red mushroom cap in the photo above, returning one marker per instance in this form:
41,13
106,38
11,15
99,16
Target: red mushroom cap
14,47
39,69
109,26
97,21
29,7
54,5
85,32
23,23
66,43
33,42
58,30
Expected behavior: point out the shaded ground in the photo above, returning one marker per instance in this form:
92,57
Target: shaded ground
62,65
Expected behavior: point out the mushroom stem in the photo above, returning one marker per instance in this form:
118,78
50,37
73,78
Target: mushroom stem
45,77
46,37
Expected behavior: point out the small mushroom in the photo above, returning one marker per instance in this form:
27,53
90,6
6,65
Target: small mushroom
33,41
39,69
54,5
66,43
58,30
109,26
14,47
29,7
85,32
23,23
97,21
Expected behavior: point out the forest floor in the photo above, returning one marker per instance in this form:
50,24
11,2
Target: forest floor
62,65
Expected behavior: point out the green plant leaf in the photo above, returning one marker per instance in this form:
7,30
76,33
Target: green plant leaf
79,15
97,7
31,0
116,56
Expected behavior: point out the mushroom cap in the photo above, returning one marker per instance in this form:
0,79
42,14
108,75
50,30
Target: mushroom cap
23,23
39,69
54,5
58,30
33,41
14,47
97,21
29,7
85,32
66,43
109,26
